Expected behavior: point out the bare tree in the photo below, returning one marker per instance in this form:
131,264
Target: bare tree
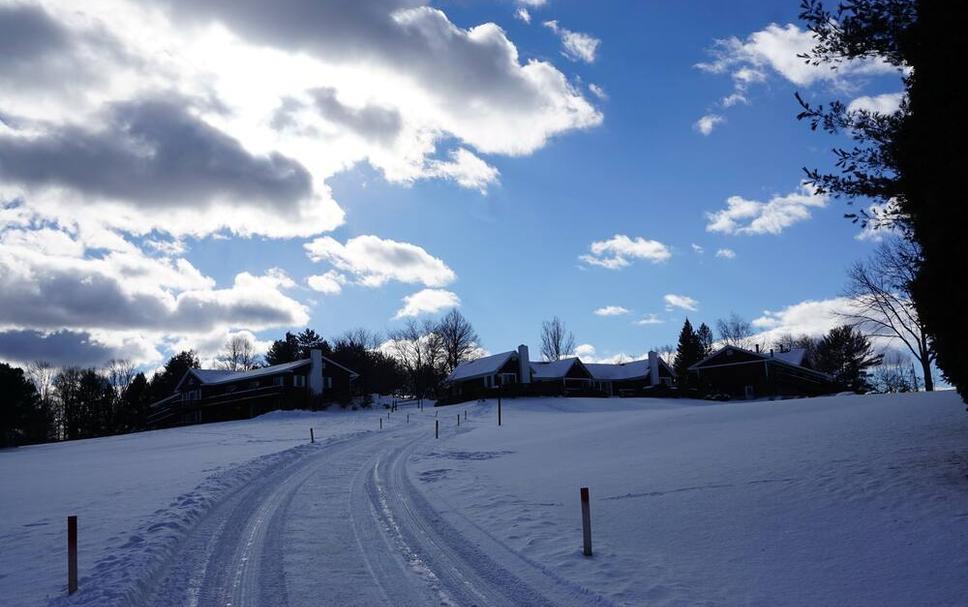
667,353
42,374
420,352
120,372
735,331
880,288
458,339
238,354
557,341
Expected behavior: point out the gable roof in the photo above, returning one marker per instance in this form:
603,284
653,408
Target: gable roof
480,367
211,377
792,358
556,369
631,370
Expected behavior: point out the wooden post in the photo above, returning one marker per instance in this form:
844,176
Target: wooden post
586,523
436,428
408,418
465,415
381,423
312,438
498,409
71,554
458,420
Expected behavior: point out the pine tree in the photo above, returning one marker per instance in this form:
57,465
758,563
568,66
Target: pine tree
688,352
847,355
706,339
285,350
163,383
311,340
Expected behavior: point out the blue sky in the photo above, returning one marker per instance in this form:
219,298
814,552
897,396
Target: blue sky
511,224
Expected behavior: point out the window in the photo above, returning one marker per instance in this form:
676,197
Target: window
508,378
278,380
299,381
489,381
329,382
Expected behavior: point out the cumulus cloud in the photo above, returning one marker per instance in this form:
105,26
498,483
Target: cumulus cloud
879,222
811,317
726,253
588,353
649,319
886,104
466,169
577,46
374,261
707,123
681,302
697,249
611,311
744,216
597,91
620,250
427,301
522,14
330,283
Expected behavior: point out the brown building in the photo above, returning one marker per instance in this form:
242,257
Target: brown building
745,374
206,395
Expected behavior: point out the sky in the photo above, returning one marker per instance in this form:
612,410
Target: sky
175,172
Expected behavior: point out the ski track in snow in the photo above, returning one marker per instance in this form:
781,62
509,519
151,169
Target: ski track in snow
341,523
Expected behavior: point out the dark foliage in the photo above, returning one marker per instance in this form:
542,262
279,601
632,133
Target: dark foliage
910,162
163,383
847,355
285,350
22,418
689,351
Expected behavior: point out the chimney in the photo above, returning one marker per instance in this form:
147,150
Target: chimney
771,351
653,367
757,348
315,380
524,365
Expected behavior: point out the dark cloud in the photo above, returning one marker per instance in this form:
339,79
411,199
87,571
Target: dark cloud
371,121
153,153
61,348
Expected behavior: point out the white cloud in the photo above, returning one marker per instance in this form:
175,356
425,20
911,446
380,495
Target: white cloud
577,46
698,250
597,91
879,222
533,3
707,123
811,317
649,319
375,261
726,253
743,216
619,251
522,14
588,353
681,302
466,169
611,311
775,49
427,301
330,283
887,104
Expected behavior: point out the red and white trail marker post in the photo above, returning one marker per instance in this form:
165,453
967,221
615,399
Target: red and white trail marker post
71,554
586,523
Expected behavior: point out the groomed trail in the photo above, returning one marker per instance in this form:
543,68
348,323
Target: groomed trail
346,524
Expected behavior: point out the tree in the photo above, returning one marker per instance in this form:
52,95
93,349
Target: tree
846,354
458,339
238,354
894,374
883,307
285,350
557,341
420,352
908,163
133,410
163,383
689,351
667,353
41,373
311,340
705,336
22,418
788,342
735,331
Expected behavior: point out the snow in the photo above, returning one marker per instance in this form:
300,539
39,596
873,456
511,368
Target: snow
120,485
855,500
631,370
552,370
480,367
846,500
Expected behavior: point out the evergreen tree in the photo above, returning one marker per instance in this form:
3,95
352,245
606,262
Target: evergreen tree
163,383
22,419
688,352
285,350
133,412
705,336
847,355
311,340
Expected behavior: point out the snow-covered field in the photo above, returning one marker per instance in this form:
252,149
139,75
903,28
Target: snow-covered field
839,500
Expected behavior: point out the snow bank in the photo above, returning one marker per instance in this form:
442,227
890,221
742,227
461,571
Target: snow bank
837,500
134,495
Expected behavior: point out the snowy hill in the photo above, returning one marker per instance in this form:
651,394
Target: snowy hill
837,500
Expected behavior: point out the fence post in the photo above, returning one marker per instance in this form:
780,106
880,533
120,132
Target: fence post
458,420
436,428
71,554
408,418
498,409
381,423
465,415
312,438
586,523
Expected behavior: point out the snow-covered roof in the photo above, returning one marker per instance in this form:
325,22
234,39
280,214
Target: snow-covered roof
219,376
621,371
794,356
480,367
552,370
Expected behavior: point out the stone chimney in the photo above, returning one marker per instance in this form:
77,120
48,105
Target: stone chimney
524,365
653,367
315,379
